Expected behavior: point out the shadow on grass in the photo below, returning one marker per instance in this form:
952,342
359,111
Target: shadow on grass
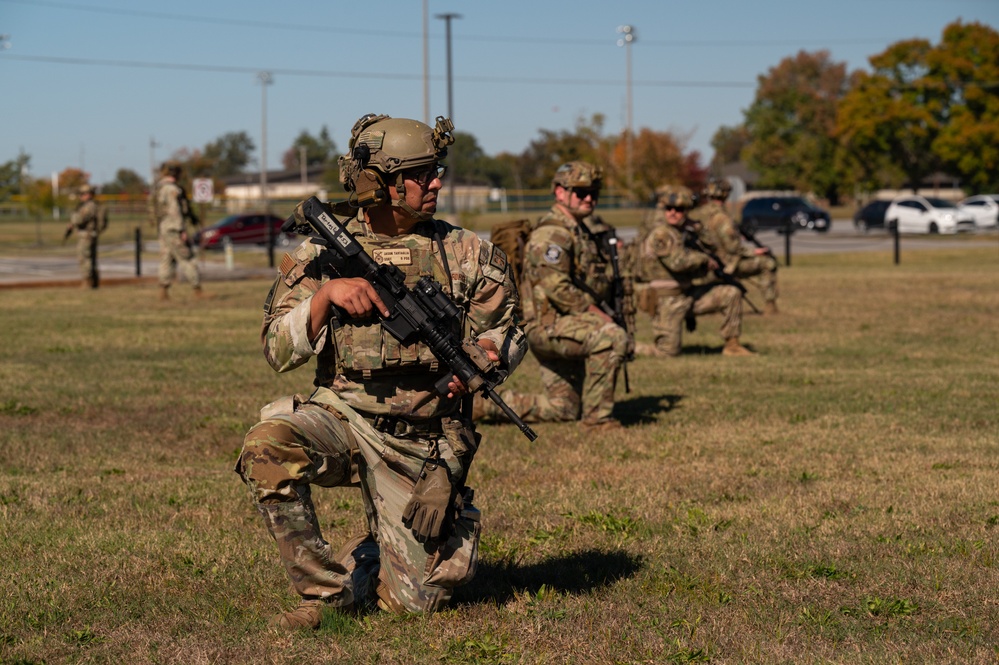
576,573
643,410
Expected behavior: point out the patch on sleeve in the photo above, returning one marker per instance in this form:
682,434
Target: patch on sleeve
553,254
498,259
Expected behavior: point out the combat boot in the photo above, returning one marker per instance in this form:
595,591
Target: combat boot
770,307
164,293
308,614
200,294
734,348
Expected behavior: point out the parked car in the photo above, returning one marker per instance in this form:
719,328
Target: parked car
871,216
783,212
927,214
245,229
983,208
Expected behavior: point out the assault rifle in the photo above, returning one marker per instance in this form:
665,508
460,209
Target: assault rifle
424,313
617,307
691,240
751,237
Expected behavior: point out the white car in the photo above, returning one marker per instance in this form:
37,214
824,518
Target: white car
927,214
983,208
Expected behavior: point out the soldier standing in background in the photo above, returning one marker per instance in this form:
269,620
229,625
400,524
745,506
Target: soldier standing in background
89,220
376,421
680,280
568,275
170,211
722,235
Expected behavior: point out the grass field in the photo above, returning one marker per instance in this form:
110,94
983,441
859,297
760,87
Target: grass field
832,500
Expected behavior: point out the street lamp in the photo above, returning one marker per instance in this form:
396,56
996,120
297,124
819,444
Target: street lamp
628,36
265,79
450,101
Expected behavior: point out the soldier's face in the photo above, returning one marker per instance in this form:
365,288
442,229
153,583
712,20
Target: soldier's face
421,191
580,201
674,215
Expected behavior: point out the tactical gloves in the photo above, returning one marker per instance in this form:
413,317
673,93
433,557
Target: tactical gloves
427,511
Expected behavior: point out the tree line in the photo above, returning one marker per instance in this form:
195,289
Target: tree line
813,126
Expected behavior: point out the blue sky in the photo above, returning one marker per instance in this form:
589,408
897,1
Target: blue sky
89,83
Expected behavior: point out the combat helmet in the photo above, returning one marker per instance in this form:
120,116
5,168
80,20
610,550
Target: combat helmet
381,148
170,168
717,189
86,189
578,174
674,196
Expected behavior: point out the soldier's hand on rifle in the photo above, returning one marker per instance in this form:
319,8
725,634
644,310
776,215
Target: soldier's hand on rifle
760,251
354,295
712,264
456,386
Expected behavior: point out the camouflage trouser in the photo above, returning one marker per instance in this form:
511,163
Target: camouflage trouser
579,357
175,253
323,442
672,309
761,271
86,254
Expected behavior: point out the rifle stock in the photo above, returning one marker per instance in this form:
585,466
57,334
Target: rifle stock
423,313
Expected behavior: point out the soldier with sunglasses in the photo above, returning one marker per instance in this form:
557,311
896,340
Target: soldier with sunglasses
568,282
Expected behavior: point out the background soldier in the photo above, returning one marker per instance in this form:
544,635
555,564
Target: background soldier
568,283
376,419
672,266
171,212
722,235
89,220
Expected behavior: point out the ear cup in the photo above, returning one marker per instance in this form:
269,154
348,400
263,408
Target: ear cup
369,188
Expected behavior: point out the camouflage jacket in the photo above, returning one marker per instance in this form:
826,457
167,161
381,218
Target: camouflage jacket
361,362
665,257
566,266
169,207
89,217
720,232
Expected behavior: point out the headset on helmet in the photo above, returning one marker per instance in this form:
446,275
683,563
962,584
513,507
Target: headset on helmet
578,174
381,146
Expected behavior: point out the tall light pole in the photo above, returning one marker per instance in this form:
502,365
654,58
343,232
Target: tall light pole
152,162
426,63
265,79
452,207
628,36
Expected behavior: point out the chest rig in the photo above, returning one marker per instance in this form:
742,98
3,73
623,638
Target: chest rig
361,349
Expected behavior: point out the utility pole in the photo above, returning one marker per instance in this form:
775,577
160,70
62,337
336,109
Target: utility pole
265,79
452,203
628,36
426,63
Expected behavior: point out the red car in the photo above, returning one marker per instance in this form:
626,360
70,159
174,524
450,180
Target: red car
246,229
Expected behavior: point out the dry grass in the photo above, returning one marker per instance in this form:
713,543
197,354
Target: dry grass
832,500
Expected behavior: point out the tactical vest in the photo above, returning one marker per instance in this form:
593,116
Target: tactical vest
359,349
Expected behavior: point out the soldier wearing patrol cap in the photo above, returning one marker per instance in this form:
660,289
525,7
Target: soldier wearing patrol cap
720,232
88,221
567,275
376,420
170,212
680,280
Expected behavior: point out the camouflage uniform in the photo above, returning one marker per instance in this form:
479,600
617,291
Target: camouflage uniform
373,421
171,210
580,352
671,269
89,220
721,234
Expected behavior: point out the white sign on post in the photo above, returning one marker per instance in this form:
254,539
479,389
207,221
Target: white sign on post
203,190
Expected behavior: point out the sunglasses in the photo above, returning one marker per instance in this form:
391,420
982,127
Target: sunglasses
675,209
426,176
582,192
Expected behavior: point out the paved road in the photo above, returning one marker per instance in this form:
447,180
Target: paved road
117,262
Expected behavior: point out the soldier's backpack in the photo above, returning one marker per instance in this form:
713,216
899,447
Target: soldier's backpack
511,237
